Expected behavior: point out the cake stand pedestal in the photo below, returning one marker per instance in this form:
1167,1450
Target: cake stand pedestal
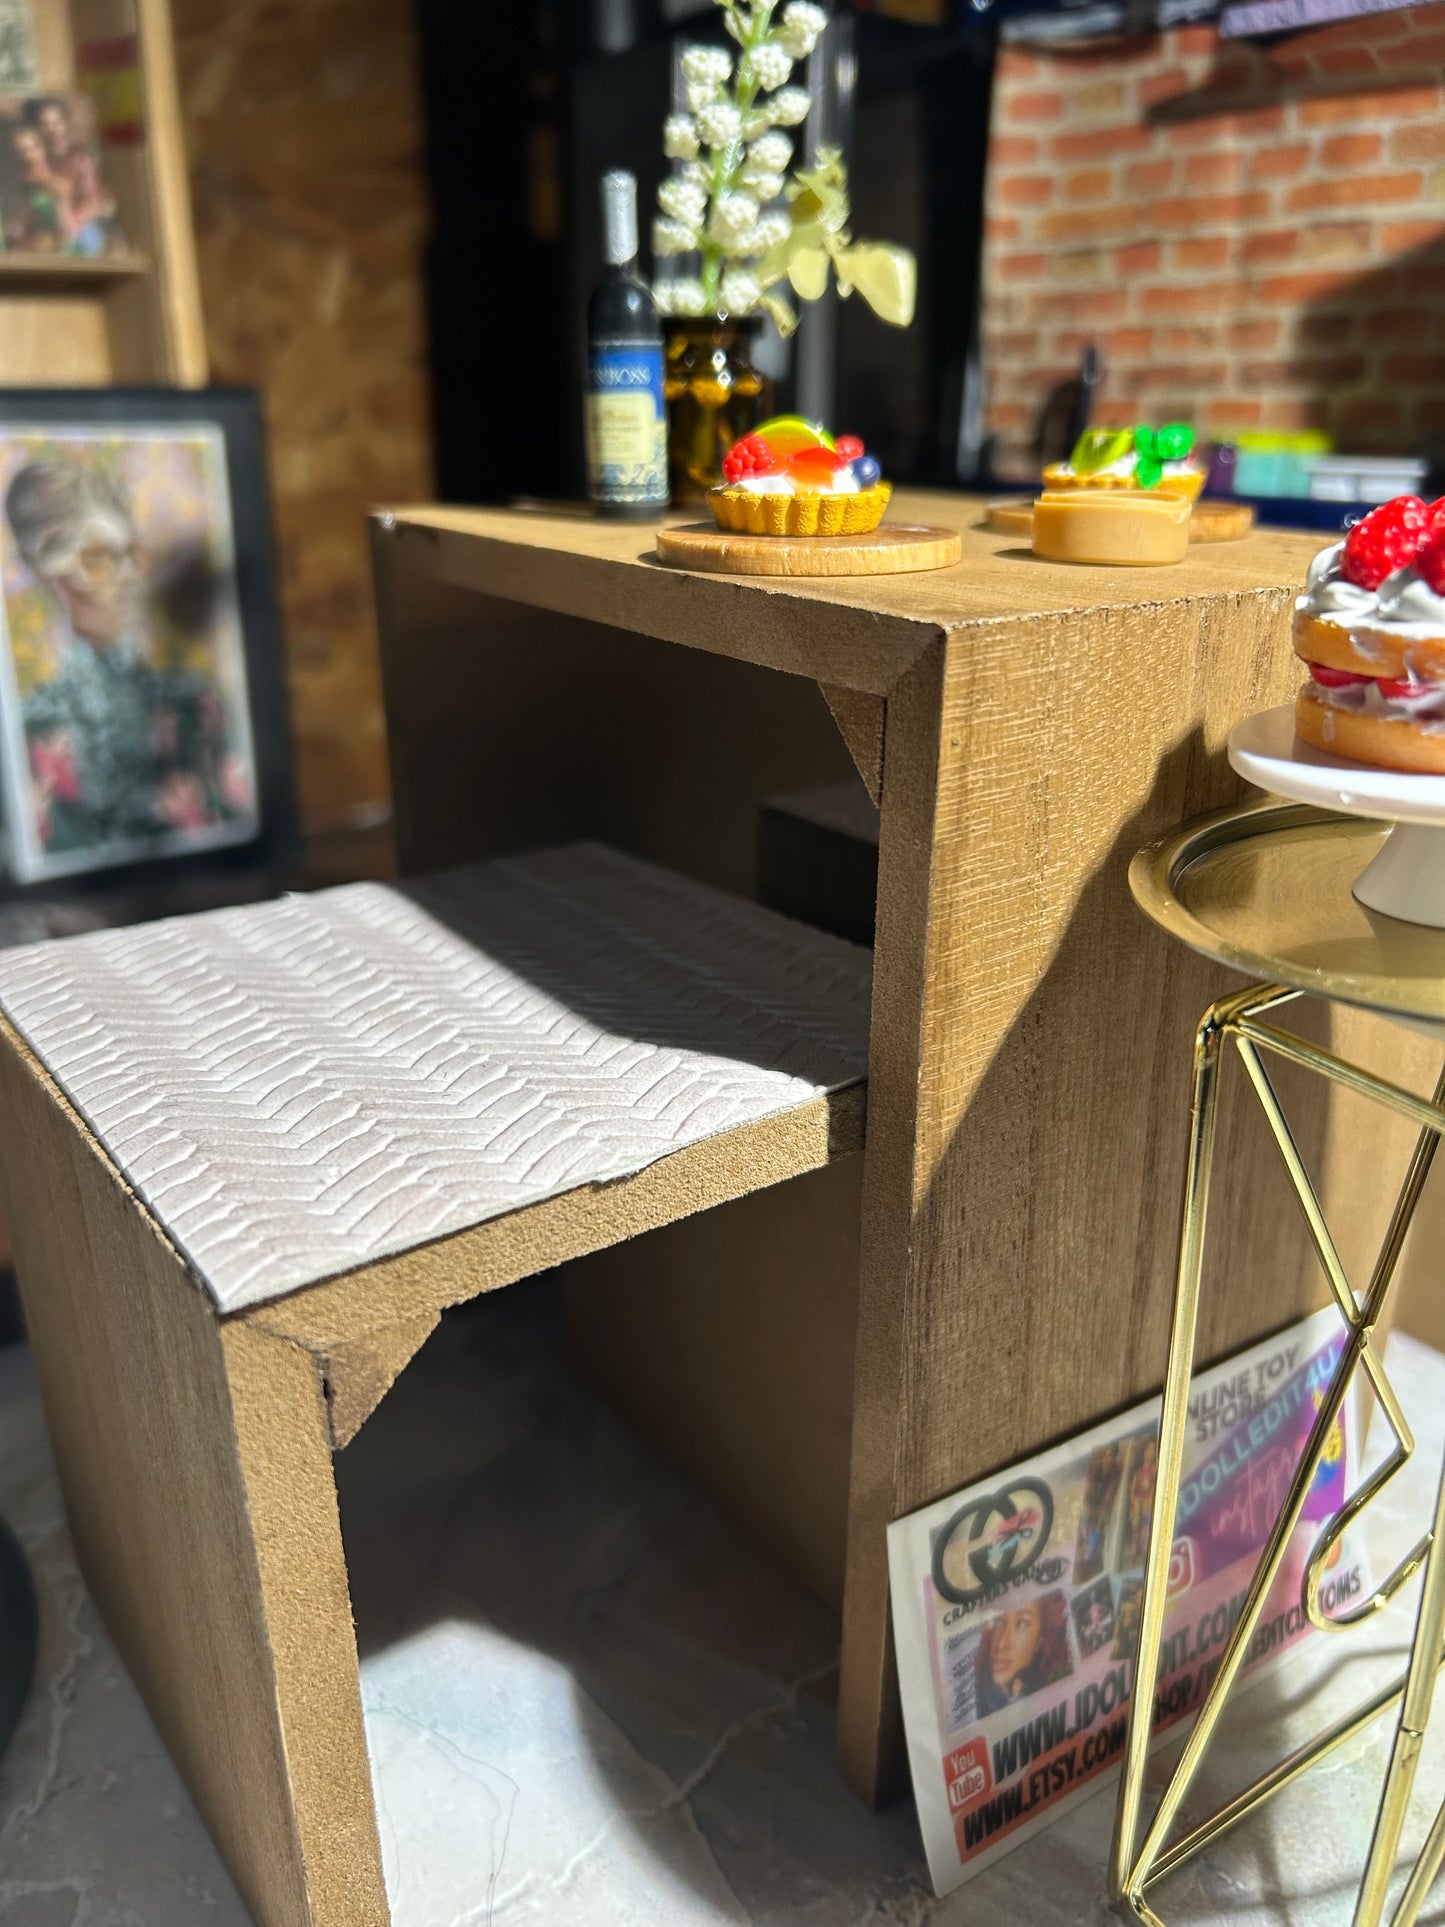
1406,879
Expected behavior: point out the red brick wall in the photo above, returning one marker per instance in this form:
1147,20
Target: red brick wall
1254,236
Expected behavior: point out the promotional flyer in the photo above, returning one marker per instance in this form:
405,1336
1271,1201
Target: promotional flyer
1016,1603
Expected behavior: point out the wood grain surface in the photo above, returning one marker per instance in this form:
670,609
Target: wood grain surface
862,632
892,549
195,1463
303,122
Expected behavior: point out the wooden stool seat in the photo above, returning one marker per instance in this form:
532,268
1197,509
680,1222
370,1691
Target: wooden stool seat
251,1155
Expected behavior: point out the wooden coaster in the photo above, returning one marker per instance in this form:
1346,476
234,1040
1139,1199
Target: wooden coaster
1220,521
1212,521
1011,515
894,548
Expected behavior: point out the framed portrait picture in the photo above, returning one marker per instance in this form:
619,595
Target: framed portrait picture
142,702
54,197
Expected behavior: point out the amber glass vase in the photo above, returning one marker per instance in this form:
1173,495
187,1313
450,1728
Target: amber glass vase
714,395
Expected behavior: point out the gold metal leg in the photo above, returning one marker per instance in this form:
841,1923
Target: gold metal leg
1241,1019
1203,1115
1409,1738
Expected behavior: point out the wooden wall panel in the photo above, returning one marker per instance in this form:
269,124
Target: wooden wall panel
303,127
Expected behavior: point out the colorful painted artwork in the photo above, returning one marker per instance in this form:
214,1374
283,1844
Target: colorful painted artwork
124,717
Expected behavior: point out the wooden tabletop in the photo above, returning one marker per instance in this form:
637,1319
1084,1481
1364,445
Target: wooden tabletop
860,633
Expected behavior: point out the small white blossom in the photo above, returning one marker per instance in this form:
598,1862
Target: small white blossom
673,237
719,123
679,137
771,154
770,64
694,171
767,187
740,292
700,94
790,107
683,201
771,231
732,216
800,28
683,295
706,66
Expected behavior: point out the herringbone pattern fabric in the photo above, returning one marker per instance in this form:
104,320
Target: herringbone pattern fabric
300,1087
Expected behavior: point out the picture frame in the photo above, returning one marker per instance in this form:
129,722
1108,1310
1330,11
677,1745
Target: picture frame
143,715
19,66
55,197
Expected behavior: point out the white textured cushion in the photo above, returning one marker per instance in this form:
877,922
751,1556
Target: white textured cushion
300,1087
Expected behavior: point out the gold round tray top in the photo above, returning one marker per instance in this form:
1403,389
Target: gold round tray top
1266,889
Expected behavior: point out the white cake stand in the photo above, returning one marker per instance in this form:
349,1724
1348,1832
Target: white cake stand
1407,878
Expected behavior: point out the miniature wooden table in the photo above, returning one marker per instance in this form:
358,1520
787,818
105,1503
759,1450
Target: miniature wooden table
1024,727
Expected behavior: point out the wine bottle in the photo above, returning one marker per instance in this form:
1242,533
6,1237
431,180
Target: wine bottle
626,406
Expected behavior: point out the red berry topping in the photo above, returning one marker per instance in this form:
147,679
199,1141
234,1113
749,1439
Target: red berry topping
1430,561
750,456
849,447
1328,678
1385,540
1435,518
1401,688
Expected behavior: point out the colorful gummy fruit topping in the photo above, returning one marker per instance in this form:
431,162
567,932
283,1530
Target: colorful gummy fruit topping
803,452
1135,455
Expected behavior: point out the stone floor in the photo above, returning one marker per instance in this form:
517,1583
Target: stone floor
589,1701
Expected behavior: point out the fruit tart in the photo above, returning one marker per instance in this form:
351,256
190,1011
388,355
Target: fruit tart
1159,459
1370,628
791,477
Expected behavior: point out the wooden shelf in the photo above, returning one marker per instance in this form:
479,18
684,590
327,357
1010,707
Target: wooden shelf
73,270
127,318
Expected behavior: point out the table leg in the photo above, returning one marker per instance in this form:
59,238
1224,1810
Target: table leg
1409,1738
1204,1111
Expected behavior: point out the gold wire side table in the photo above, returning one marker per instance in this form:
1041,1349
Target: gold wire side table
1266,890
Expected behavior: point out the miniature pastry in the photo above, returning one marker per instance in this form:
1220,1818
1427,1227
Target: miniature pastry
1133,528
1370,627
790,477
1140,457
1210,521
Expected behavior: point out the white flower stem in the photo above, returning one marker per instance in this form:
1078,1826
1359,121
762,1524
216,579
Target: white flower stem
727,162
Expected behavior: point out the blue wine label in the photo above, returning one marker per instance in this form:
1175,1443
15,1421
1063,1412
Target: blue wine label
626,424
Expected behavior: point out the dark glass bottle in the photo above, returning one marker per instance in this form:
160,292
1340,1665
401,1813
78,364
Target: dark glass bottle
626,405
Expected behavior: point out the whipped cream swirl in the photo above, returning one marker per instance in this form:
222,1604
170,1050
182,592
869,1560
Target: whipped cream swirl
1424,705
1407,602
1330,595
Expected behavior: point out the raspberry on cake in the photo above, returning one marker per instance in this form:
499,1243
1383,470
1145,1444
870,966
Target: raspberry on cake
750,456
1384,540
1370,627
791,477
